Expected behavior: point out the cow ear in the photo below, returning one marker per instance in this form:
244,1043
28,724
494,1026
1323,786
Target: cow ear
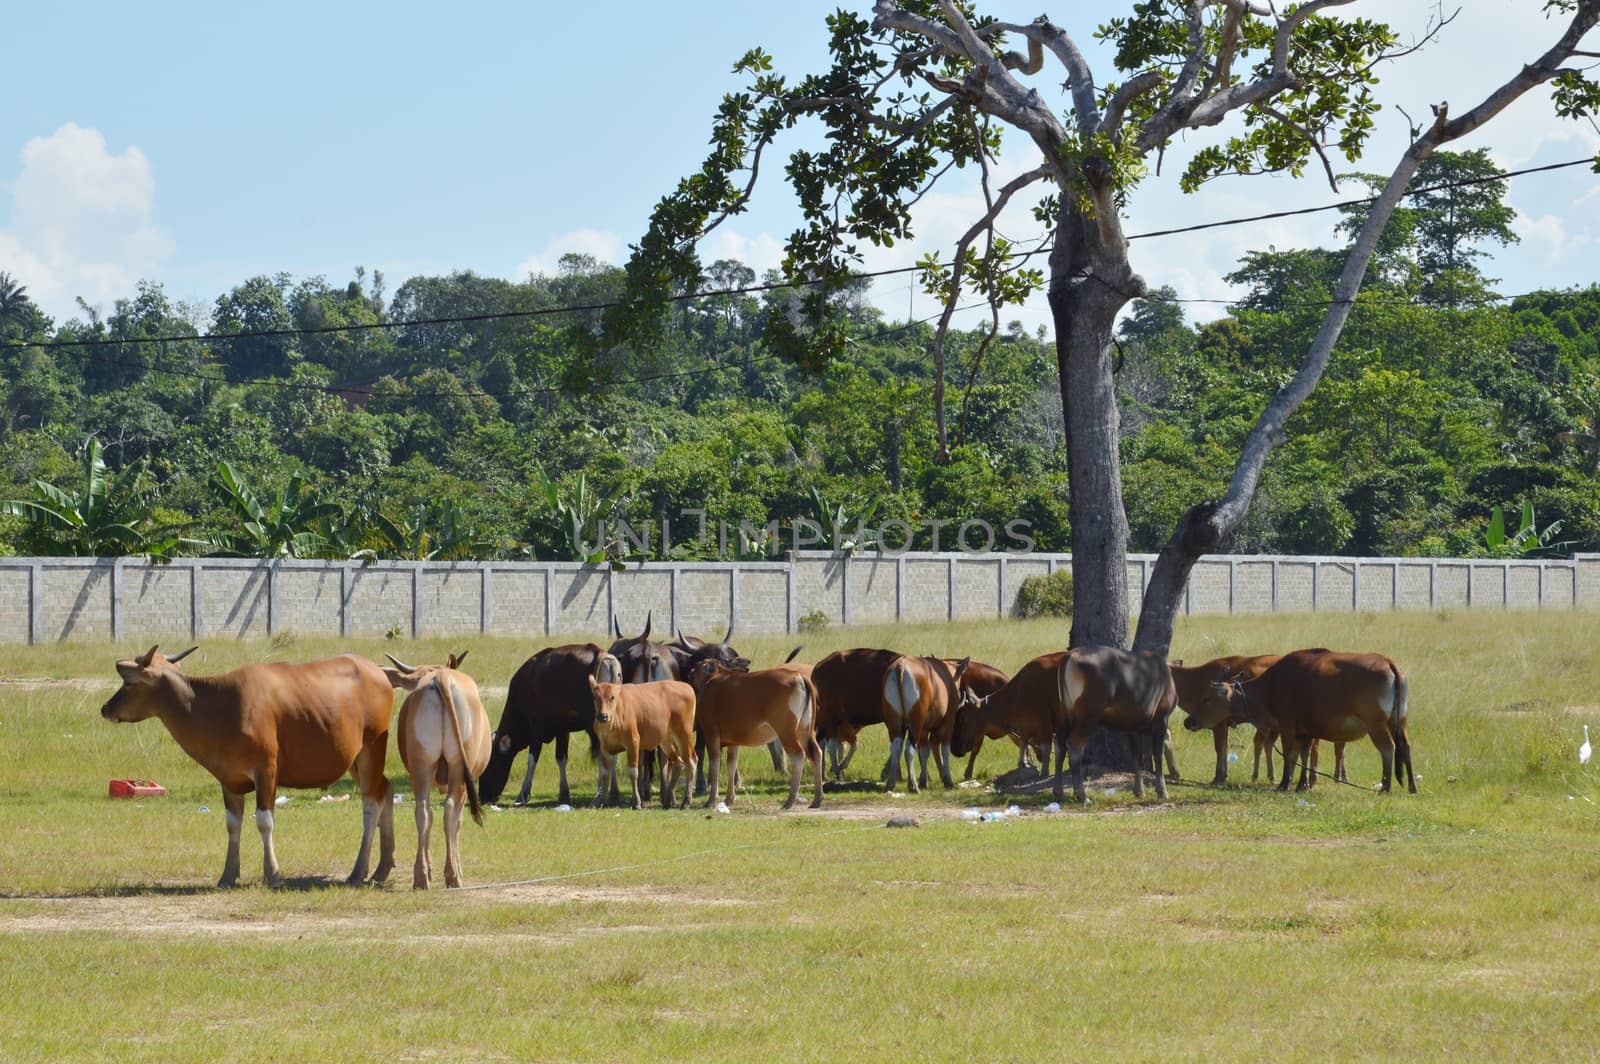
131,672
594,685
397,678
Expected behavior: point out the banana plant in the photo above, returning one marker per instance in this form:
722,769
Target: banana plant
282,527
836,518
579,515
1528,539
435,531
101,515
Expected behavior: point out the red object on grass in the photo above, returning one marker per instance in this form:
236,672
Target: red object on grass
136,789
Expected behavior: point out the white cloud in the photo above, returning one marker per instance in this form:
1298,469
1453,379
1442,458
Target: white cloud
760,252
82,221
1550,237
604,246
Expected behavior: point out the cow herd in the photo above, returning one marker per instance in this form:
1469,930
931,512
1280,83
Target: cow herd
691,705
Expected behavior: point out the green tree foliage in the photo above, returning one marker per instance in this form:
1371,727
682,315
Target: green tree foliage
100,515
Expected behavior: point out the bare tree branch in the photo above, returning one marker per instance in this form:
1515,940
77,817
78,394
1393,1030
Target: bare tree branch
1204,527
957,271
1080,80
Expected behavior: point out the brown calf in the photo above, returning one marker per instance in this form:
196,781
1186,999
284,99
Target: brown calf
751,709
659,715
274,725
1321,694
920,696
1194,681
444,740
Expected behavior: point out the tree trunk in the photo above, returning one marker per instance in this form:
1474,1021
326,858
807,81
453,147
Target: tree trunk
1088,287
1089,284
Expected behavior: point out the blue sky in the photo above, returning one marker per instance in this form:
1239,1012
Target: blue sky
199,144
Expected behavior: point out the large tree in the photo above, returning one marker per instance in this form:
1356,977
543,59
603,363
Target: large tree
928,86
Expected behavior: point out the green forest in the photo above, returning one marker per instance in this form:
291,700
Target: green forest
508,437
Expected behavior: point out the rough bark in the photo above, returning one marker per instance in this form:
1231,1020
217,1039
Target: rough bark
1084,306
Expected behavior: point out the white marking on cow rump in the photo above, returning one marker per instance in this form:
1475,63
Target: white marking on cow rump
899,691
1075,683
800,702
1386,697
428,726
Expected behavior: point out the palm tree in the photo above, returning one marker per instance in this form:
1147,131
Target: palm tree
101,516
13,296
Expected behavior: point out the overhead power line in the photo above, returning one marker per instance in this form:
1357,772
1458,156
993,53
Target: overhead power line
509,315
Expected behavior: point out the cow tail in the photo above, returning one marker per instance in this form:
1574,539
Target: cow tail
449,696
811,705
1397,725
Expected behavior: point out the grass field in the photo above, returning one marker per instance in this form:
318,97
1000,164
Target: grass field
1463,921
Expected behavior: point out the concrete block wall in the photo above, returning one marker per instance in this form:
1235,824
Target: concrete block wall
89,599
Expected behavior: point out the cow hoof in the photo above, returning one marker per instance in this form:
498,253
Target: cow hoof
227,882
816,804
419,883
1216,781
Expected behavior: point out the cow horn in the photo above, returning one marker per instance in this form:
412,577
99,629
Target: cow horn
143,660
402,666
729,633
182,654
616,625
649,619
794,653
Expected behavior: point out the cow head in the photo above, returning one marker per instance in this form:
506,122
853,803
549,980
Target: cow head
151,682
1224,702
971,725
706,671
606,696
690,652
402,677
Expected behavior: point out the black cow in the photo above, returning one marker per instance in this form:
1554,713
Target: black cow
549,698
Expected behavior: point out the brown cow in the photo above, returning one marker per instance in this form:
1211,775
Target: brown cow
920,696
1322,694
751,709
274,725
658,715
849,697
1027,707
1120,690
971,727
444,740
1194,681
